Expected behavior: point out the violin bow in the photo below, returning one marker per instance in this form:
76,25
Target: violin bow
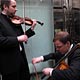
24,15
37,77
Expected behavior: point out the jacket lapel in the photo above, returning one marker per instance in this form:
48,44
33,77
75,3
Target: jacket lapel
7,25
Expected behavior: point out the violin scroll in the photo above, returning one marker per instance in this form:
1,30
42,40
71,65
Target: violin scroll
40,23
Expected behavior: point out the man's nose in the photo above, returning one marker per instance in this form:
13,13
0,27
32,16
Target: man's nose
16,9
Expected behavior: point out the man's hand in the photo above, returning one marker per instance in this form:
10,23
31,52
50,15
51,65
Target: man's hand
34,24
22,38
47,71
37,60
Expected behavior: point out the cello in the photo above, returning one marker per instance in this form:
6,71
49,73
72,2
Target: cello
61,65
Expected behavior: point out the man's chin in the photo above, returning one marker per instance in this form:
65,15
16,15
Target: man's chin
12,15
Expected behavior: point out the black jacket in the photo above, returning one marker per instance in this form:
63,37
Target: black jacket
11,58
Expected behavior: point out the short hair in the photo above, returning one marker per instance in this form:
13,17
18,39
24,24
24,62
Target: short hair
5,2
62,36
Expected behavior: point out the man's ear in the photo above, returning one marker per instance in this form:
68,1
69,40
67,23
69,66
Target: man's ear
5,7
68,43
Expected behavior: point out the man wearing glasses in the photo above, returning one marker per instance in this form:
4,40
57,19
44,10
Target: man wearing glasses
63,45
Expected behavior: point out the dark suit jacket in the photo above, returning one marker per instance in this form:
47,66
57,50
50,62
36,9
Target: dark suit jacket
11,58
73,72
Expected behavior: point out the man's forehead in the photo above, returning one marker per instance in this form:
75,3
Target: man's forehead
57,42
13,2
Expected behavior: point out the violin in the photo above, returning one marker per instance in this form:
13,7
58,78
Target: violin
26,20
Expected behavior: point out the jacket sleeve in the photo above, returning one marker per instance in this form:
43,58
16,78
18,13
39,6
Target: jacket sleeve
29,33
55,56
49,56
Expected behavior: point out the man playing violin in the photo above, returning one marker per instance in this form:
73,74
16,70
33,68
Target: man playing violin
13,61
63,45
